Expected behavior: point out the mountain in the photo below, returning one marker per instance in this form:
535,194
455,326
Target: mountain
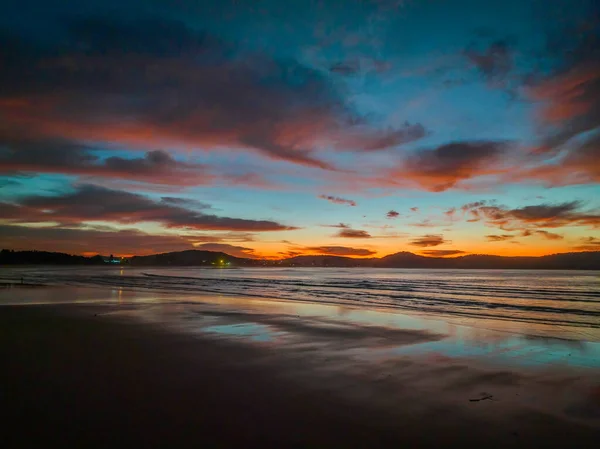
194,258
565,261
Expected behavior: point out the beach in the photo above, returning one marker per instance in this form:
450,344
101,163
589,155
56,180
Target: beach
92,367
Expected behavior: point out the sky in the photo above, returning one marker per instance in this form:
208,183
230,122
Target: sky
265,128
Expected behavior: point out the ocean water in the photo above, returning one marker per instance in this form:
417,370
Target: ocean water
561,299
505,318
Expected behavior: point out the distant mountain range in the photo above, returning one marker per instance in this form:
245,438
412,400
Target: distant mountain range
565,261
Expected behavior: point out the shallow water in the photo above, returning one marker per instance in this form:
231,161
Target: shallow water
566,301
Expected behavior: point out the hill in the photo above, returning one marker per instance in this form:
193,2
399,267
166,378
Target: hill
565,261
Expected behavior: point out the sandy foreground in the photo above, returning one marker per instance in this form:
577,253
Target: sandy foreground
116,369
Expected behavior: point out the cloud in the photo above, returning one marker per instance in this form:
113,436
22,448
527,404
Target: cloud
589,244
346,68
446,166
494,63
427,223
337,200
353,234
154,81
568,99
442,252
53,155
339,225
549,235
543,215
340,251
414,209
79,241
498,238
232,250
94,203
365,140
577,164
428,240
392,214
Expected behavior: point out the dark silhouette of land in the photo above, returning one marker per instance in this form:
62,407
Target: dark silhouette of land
566,261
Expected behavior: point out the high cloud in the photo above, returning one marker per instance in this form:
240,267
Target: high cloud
428,240
94,203
392,214
337,200
158,82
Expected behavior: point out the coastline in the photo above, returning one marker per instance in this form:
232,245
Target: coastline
151,372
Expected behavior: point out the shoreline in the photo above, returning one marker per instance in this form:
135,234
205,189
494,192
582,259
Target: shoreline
165,384
362,380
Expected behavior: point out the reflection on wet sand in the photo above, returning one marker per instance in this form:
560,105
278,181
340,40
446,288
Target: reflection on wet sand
399,363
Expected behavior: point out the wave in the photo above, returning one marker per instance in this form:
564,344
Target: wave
566,299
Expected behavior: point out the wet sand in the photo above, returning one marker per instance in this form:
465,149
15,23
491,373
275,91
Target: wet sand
162,375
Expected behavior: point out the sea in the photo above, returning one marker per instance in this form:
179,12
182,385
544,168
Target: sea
558,298
511,317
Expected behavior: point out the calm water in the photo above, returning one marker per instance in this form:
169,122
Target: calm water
562,299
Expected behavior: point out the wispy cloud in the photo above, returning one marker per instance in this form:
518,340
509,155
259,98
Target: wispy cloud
94,203
338,200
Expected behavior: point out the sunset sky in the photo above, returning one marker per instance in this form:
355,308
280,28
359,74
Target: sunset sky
275,128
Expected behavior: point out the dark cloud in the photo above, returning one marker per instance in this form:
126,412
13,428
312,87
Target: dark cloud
68,157
337,200
498,238
381,140
494,63
429,240
340,251
346,68
444,167
339,225
154,81
559,215
353,234
589,244
93,203
79,241
392,214
442,252
548,235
